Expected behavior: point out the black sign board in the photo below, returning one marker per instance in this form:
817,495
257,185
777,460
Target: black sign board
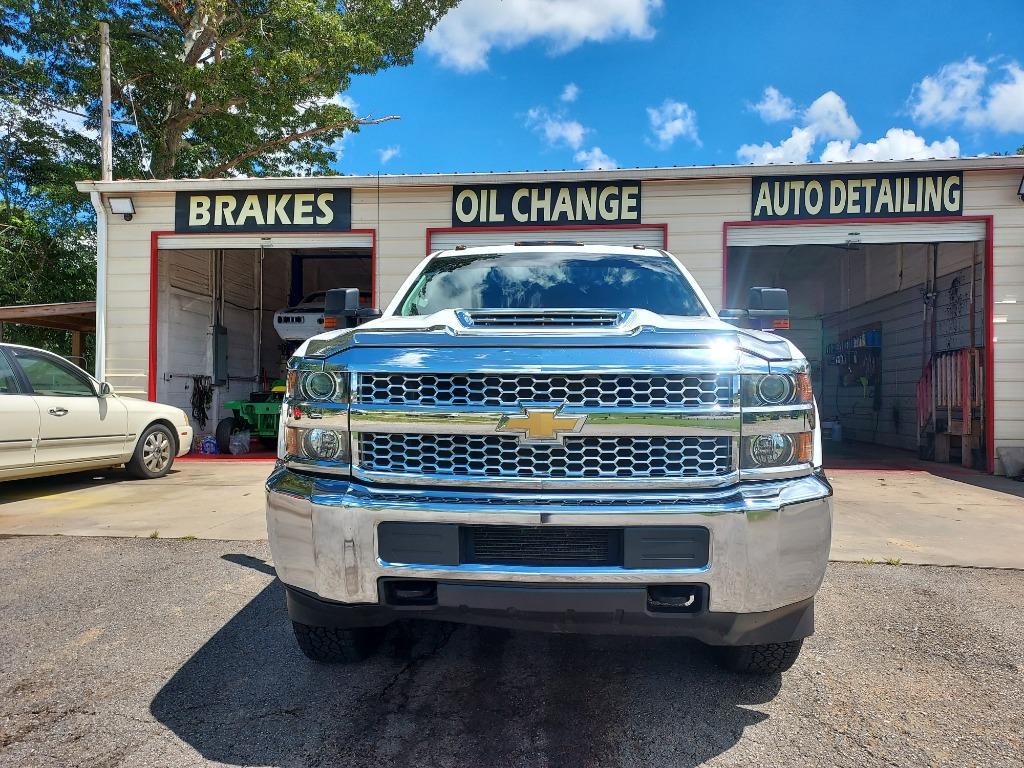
285,210
857,196
548,204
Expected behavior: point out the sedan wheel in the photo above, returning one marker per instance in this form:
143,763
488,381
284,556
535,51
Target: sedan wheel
154,453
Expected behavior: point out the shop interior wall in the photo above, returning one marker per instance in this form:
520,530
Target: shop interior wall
881,286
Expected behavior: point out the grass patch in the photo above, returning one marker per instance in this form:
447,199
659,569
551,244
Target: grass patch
190,537
155,535
893,561
868,561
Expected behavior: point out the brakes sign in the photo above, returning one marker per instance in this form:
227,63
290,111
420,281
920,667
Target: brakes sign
300,210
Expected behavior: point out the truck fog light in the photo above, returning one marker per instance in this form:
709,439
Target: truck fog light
322,444
770,450
320,386
775,389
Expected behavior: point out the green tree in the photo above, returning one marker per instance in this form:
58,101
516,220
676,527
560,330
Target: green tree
222,86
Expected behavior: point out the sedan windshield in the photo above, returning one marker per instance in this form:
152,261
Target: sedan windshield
541,280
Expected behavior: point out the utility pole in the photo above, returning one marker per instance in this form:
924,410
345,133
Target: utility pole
106,140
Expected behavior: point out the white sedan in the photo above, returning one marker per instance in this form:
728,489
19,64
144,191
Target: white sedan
54,417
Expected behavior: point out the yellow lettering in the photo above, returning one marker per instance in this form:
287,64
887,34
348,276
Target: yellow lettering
493,214
323,202
763,206
797,185
630,203
908,205
465,214
781,205
303,208
837,196
932,195
814,206
563,204
250,209
885,196
540,205
608,203
198,211
224,210
586,204
518,213
853,196
869,187
951,194
276,212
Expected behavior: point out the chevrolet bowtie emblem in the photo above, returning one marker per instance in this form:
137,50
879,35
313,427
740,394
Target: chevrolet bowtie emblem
541,424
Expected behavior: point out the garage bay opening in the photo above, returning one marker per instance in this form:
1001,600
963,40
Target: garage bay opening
892,319
227,321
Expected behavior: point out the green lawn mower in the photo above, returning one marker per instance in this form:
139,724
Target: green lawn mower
260,415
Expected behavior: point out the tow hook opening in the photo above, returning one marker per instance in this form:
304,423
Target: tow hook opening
411,592
673,598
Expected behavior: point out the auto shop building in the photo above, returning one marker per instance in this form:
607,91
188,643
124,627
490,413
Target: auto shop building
904,277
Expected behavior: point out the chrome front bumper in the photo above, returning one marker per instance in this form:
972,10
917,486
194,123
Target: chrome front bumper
769,540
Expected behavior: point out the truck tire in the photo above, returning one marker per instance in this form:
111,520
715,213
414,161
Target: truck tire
331,645
154,453
766,659
223,433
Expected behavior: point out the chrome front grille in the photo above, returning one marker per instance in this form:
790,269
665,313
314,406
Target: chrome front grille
502,456
593,391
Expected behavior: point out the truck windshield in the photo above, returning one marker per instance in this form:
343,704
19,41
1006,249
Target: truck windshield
540,280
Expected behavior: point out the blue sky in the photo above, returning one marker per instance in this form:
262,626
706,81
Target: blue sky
677,82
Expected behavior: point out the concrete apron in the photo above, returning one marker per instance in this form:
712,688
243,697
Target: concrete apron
911,516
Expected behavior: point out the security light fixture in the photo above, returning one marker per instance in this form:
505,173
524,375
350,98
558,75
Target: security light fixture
123,206
1020,192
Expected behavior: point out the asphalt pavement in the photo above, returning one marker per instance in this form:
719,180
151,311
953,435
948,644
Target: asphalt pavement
139,652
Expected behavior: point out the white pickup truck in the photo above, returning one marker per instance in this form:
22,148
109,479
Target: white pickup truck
556,437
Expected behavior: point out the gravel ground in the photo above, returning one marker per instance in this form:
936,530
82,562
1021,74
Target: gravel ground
135,652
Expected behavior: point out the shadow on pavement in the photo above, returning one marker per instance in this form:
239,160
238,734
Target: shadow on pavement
52,485
446,695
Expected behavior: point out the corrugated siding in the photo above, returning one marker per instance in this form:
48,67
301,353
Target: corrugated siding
128,247
995,193
695,212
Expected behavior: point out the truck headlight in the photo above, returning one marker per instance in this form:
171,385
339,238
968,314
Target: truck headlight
776,449
316,386
777,389
316,444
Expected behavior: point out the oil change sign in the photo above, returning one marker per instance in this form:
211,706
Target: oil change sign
505,205
877,195
289,210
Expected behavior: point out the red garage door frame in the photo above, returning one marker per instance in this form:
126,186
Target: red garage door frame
988,220
154,255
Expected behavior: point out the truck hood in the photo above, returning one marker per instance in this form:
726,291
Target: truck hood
589,328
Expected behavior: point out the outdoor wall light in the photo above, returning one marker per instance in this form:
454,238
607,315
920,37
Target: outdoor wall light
123,206
1020,192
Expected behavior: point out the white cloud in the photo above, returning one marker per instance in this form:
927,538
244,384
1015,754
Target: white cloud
672,120
594,159
773,106
897,144
828,118
388,154
557,130
796,149
972,94
468,33
570,93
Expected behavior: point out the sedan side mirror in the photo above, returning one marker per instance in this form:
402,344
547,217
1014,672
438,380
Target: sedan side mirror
105,389
767,310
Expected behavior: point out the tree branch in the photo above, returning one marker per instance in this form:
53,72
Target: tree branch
227,165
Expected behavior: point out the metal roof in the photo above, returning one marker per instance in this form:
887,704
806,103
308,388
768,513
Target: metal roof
661,173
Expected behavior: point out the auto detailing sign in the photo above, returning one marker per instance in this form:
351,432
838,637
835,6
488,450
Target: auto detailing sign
876,195
505,205
292,210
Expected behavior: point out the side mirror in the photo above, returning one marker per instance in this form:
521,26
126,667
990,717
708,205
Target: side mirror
767,310
105,389
342,310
